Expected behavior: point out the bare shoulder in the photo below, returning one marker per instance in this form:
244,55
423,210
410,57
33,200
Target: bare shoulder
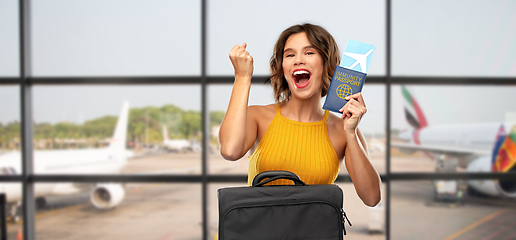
261,113
337,134
263,116
335,124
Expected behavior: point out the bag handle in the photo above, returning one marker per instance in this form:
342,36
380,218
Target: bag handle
275,175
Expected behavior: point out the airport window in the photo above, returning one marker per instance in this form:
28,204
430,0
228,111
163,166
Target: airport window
171,212
453,212
260,30
162,119
478,33
67,69
10,121
138,38
9,42
460,122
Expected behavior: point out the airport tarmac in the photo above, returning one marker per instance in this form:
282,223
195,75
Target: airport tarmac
173,210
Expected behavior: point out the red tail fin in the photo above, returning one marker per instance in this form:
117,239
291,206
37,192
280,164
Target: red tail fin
413,112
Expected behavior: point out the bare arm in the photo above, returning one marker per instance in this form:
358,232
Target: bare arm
363,174
238,129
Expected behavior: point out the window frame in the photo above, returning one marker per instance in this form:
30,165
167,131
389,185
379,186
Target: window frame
26,82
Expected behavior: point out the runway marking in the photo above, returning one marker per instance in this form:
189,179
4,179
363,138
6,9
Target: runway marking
466,229
500,231
495,223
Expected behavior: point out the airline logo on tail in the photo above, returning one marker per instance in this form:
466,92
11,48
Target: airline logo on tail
413,112
500,138
506,151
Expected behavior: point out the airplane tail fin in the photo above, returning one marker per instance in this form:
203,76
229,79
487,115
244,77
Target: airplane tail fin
165,133
500,138
413,112
118,141
506,159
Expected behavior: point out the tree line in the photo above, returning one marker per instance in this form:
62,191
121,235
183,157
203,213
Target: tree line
145,125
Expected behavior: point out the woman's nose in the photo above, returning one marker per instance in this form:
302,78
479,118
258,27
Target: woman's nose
299,59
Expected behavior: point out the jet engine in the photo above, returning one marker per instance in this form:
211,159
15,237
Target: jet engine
107,196
506,188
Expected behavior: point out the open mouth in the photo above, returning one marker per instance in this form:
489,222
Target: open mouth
301,77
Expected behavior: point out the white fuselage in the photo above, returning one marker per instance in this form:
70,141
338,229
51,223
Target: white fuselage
109,160
83,161
481,136
471,144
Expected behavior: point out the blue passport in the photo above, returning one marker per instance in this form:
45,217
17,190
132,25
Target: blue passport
349,77
344,82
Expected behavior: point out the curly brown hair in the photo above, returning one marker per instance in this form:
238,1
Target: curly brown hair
321,40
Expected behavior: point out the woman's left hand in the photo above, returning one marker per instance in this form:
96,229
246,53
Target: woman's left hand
353,111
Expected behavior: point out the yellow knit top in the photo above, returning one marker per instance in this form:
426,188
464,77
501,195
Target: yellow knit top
303,148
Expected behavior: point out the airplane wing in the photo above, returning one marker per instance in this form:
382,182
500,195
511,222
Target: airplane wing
450,151
463,155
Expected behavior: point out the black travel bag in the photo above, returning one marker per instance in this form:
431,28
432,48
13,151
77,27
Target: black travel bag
296,212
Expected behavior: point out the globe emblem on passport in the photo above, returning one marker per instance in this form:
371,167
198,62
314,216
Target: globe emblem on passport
344,90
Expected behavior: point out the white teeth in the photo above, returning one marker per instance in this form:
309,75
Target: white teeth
301,72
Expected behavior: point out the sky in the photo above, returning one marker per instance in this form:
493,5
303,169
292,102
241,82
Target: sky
162,38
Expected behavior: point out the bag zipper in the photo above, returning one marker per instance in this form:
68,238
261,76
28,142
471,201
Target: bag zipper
247,205
344,219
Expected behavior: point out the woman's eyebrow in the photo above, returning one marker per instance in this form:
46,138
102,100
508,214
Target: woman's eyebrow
304,48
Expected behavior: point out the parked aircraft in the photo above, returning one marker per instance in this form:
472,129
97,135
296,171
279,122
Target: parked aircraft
108,160
473,147
175,145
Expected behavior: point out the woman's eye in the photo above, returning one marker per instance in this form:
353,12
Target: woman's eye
310,53
289,55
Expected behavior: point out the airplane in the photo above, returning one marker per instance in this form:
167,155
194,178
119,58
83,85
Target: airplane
107,160
176,145
360,59
472,147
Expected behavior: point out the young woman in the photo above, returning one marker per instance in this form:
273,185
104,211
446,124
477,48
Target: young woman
295,134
